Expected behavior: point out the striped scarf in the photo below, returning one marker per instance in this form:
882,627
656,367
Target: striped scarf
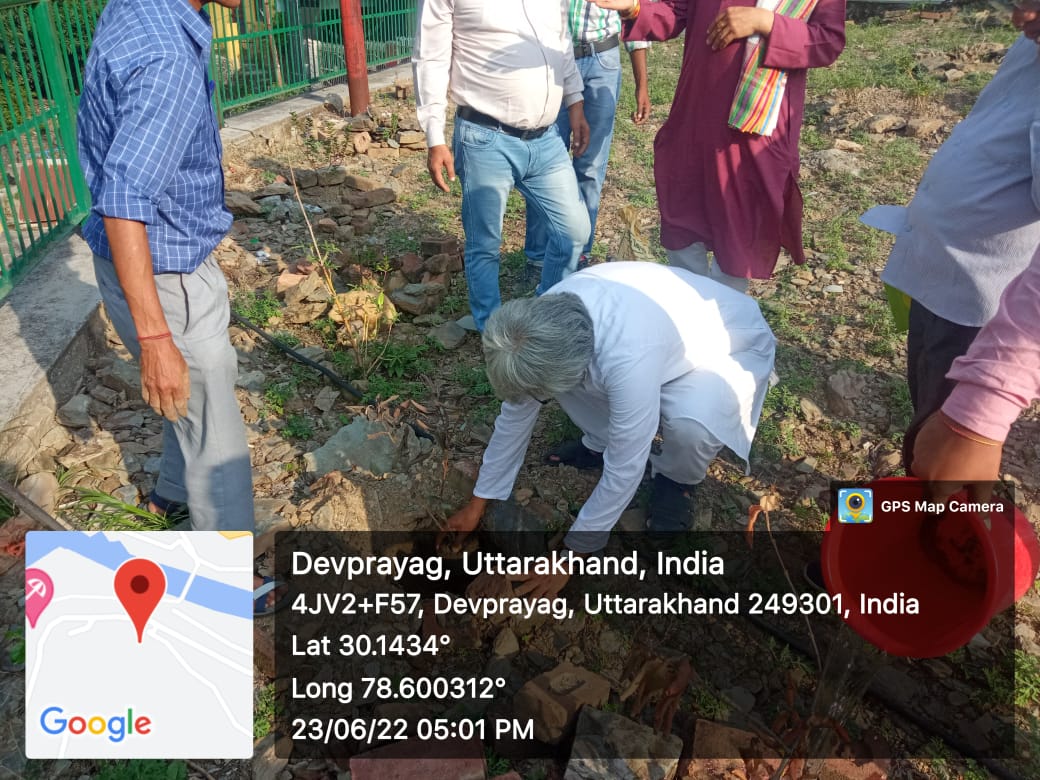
760,90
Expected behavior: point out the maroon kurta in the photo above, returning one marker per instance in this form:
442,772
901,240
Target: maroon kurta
735,192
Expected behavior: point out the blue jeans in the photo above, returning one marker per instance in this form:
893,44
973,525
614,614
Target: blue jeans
601,73
490,163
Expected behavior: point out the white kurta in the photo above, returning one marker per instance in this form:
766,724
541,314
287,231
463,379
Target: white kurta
652,324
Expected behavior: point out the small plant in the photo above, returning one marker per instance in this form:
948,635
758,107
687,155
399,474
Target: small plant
286,339
496,765
106,512
359,324
474,379
264,711
709,705
515,261
326,329
277,394
453,305
297,426
268,177
775,436
1027,679
405,361
15,639
257,307
305,376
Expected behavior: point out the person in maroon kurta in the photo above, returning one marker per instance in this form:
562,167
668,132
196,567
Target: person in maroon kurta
719,189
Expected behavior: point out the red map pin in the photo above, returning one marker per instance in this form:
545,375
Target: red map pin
139,585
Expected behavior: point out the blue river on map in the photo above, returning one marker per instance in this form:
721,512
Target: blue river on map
211,594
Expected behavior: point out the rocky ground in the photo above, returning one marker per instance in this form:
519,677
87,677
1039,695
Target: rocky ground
343,252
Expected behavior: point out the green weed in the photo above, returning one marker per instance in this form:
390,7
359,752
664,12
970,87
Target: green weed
106,512
775,436
1027,679
277,395
297,426
496,765
257,307
286,338
15,639
265,710
398,241
404,361
453,305
473,379
709,705
515,261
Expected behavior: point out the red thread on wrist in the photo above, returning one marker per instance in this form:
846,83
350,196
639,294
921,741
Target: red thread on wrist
156,337
965,433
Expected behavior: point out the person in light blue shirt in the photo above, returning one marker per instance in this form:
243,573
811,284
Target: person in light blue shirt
150,148
973,225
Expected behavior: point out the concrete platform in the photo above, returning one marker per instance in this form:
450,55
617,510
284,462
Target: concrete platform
261,121
40,318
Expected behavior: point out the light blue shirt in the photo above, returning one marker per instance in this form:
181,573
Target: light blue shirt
974,223
149,142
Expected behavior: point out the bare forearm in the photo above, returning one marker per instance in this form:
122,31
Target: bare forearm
639,69
133,263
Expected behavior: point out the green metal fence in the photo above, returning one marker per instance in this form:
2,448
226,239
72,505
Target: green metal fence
42,192
262,50
389,30
269,48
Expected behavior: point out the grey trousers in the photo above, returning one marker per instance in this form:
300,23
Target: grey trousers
694,258
205,459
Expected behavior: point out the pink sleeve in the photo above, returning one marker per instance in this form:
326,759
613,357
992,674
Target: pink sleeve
1000,374
795,44
660,21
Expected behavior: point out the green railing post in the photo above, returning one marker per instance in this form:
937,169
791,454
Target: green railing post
57,78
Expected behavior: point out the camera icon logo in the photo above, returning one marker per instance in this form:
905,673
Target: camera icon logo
856,505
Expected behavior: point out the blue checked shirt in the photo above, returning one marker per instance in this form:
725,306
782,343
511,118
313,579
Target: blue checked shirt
148,136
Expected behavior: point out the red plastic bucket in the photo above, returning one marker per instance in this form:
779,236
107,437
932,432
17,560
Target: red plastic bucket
961,567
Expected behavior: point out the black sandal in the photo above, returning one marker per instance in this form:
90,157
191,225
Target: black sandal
671,505
574,453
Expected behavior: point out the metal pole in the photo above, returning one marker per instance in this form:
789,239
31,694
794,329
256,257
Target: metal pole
354,49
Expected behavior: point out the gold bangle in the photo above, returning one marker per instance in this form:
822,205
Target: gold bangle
631,13
964,432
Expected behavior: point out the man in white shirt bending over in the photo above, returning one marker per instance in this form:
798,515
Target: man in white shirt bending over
509,66
625,348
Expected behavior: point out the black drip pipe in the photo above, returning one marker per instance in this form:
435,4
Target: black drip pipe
332,376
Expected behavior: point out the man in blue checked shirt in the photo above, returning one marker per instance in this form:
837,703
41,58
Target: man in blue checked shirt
151,153
596,33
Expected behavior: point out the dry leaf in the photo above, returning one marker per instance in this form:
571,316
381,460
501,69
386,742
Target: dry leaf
633,245
770,502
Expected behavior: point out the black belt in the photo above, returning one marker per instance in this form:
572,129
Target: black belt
478,118
588,48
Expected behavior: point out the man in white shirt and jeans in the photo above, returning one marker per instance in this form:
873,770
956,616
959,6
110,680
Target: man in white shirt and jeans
509,67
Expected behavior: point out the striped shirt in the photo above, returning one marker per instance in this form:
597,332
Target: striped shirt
590,23
149,142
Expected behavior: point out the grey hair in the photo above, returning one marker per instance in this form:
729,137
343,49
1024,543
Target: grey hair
538,347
